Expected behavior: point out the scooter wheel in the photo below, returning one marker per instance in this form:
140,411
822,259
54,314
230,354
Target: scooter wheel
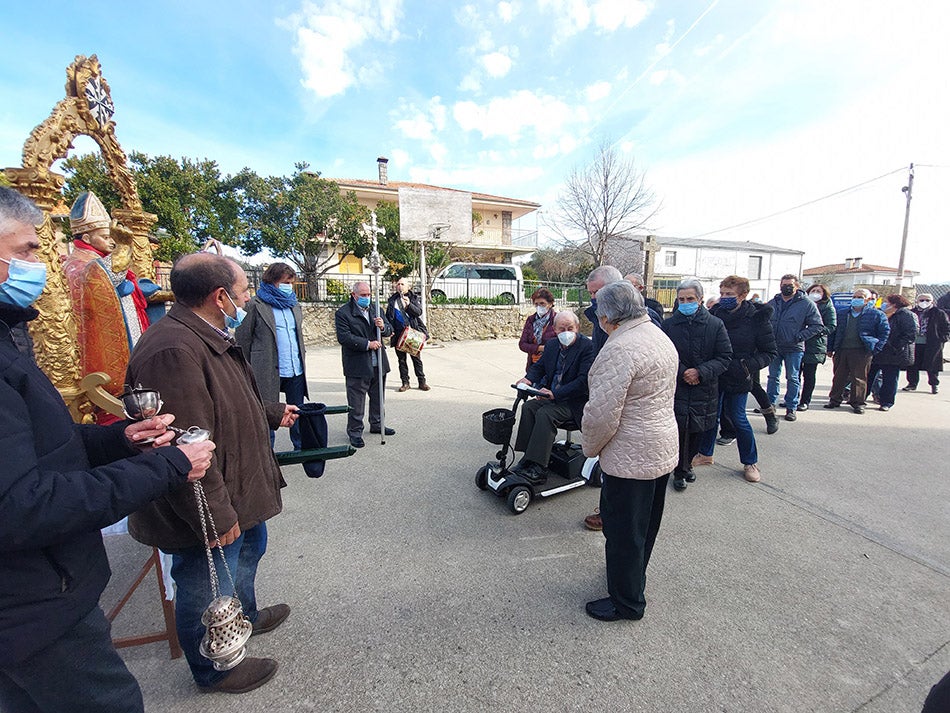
596,476
519,497
481,478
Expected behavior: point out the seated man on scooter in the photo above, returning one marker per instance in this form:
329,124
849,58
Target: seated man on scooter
561,376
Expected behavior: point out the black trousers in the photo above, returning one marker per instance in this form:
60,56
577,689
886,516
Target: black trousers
540,419
809,376
631,511
80,672
404,367
689,447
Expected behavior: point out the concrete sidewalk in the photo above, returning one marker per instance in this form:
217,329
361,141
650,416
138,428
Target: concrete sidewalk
822,588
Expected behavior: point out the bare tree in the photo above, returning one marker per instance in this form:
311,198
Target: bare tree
603,205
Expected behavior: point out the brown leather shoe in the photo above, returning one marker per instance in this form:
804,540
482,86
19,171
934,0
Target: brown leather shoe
700,459
246,676
404,387
269,618
593,522
423,386
751,473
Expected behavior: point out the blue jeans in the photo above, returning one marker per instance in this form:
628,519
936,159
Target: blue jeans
733,406
193,592
793,367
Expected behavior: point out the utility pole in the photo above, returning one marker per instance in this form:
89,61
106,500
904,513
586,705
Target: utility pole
908,189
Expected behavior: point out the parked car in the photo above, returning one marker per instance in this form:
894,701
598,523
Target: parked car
468,280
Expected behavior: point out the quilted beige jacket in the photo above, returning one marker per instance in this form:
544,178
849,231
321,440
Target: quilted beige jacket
629,419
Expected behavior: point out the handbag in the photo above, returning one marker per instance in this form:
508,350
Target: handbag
411,341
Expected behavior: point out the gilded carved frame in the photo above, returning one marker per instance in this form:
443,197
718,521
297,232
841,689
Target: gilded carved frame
88,100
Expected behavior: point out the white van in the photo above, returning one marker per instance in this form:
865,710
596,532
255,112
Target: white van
489,281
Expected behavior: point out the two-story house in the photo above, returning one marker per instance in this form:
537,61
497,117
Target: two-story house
493,227
854,273
711,260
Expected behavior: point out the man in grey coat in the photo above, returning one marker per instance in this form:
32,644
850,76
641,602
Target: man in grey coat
359,331
795,319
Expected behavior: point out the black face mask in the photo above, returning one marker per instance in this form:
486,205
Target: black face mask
788,290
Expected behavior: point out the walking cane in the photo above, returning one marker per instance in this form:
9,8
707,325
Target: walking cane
375,264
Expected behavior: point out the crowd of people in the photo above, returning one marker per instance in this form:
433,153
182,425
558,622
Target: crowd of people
658,396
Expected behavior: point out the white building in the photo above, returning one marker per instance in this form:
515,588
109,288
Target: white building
854,273
713,260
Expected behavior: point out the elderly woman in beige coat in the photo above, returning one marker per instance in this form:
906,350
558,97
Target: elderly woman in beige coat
629,423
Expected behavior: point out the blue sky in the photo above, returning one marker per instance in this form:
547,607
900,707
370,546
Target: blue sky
734,109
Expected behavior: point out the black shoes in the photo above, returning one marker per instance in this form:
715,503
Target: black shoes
790,415
529,469
357,442
604,610
802,407
858,409
831,404
389,431
933,389
679,483
723,441
910,388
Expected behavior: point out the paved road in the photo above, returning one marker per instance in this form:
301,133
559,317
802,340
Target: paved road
823,588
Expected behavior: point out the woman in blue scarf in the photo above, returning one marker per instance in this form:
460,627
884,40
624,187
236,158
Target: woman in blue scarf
271,336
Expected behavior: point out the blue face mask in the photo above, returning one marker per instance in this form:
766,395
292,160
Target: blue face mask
728,302
688,308
286,288
857,303
235,321
24,283
363,302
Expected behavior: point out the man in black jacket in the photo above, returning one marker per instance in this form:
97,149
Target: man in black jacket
561,374
59,484
404,310
356,331
598,277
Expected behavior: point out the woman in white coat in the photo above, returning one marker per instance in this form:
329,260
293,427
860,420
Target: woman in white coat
629,423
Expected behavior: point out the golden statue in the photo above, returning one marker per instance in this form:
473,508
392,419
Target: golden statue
86,110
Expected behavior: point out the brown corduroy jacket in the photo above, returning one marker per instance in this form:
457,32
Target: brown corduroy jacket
205,381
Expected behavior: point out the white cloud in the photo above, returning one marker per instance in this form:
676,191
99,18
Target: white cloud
497,64
522,110
612,14
661,76
471,82
710,46
479,177
416,127
596,91
399,158
418,123
328,33
507,11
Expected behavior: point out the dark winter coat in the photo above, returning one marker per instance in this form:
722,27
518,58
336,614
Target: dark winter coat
411,316
598,336
816,348
577,362
529,345
60,483
653,304
702,343
205,381
257,336
753,344
354,334
899,349
794,322
872,327
937,333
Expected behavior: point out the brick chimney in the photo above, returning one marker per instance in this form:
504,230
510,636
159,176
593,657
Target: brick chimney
857,262
848,263
383,171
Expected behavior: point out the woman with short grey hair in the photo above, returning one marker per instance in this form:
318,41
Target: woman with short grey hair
628,422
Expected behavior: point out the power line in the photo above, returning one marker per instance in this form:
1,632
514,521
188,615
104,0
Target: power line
801,205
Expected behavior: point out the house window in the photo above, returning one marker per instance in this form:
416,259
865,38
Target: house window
671,258
351,265
755,267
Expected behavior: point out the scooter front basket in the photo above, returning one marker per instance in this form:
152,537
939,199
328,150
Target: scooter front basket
497,425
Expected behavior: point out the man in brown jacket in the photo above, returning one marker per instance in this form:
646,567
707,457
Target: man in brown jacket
203,377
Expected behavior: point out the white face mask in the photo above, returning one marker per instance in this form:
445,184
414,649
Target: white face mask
815,296
924,304
541,310
566,338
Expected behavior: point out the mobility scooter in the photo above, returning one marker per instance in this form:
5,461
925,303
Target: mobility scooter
567,469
